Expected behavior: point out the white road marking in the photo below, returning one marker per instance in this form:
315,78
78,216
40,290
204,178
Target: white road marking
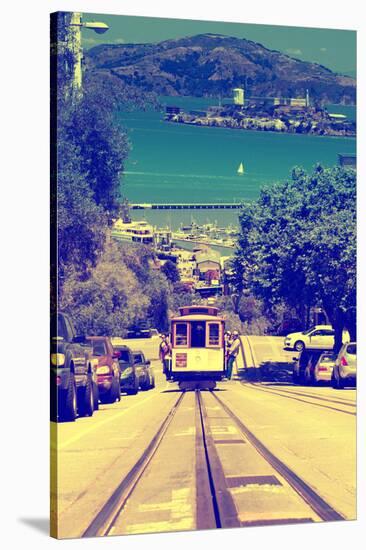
181,514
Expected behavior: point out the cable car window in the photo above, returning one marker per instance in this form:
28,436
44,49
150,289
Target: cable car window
181,334
213,334
198,334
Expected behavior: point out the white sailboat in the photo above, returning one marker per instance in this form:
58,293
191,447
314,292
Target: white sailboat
241,169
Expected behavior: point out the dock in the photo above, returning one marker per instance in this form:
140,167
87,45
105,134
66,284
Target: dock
186,206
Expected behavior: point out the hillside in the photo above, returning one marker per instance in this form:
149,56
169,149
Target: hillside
209,65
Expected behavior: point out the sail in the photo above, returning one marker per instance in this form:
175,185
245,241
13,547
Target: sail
241,168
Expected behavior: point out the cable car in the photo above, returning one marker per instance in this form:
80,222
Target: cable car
198,355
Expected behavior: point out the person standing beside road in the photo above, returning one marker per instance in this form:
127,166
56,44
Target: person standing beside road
233,353
164,354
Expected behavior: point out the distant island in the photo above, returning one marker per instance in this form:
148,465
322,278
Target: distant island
290,115
211,65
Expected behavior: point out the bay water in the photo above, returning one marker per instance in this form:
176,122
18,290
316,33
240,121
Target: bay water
177,163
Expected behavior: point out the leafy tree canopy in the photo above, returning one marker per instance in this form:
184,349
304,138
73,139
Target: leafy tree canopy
298,244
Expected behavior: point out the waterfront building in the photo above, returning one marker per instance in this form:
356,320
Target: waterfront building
239,98
208,265
163,239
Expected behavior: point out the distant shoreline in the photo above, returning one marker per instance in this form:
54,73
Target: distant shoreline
259,124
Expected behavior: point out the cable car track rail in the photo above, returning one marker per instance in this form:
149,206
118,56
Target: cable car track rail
215,503
324,510
103,522
297,397
290,390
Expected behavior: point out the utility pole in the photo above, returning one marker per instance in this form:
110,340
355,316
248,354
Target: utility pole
74,49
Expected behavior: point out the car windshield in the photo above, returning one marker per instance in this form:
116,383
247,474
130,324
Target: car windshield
99,349
328,358
124,356
306,332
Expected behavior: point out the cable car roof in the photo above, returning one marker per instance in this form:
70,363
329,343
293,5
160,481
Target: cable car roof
197,317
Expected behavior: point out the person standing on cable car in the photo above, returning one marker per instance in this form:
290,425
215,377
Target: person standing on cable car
227,344
164,354
233,353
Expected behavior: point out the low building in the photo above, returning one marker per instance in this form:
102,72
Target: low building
208,265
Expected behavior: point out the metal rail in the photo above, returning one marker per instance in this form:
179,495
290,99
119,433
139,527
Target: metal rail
324,510
104,520
223,504
296,396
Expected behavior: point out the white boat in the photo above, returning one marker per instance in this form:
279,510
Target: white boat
241,169
133,231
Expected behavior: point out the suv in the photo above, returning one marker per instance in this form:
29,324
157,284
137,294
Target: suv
73,385
143,370
304,365
106,368
345,368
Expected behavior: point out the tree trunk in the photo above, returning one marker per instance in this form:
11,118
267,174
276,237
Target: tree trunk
338,322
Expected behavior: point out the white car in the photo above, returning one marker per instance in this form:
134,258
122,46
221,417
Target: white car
324,367
318,337
345,368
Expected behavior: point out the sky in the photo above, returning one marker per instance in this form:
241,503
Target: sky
333,48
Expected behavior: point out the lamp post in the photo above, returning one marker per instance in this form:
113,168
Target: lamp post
74,45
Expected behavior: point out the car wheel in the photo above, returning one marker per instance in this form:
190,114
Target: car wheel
110,396
152,385
96,396
337,381
299,345
68,404
87,399
118,390
295,377
333,380
340,382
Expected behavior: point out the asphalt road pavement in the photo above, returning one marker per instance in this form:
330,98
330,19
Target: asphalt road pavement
103,484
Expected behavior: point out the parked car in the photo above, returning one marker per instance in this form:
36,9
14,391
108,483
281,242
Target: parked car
300,364
129,381
142,331
317,337
106,368
320,367
73,382
144,371
345,368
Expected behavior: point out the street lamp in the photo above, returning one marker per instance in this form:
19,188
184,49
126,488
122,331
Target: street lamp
74,44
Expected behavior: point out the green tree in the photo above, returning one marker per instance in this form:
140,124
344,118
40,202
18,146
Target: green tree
297,245
170,271
109,300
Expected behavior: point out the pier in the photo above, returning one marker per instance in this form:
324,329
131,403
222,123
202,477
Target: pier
187,206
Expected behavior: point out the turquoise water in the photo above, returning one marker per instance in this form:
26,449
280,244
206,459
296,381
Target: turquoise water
180,163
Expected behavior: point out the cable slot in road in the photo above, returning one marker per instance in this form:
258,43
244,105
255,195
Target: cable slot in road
324,510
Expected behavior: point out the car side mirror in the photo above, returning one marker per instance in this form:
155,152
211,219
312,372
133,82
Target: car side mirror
148,362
